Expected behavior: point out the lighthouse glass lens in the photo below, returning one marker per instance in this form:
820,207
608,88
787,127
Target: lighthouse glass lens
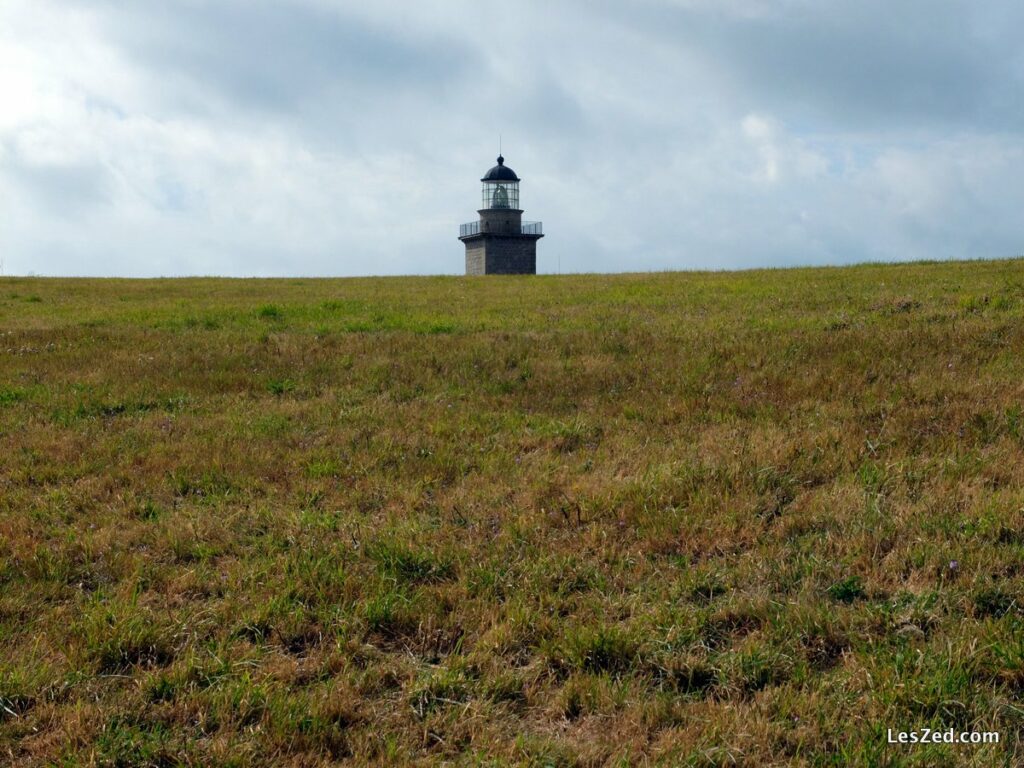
501,195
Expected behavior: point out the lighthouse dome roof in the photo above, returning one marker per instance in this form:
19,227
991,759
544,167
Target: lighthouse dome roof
500,172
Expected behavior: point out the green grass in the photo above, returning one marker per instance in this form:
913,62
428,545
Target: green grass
690,519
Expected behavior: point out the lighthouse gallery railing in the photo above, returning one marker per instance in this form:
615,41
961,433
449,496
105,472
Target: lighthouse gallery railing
527,228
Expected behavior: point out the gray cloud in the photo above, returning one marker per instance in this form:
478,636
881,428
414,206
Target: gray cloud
61,190
280,56
872,64
331,137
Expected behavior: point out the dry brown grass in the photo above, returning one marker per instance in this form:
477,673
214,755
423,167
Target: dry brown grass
680,519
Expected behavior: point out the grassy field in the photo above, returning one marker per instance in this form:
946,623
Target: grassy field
678,519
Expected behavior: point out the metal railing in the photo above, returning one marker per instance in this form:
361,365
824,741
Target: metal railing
527,228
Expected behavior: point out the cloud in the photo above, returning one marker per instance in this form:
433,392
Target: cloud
263,56
871,65
329,137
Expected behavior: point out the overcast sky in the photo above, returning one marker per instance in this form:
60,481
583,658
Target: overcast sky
328,137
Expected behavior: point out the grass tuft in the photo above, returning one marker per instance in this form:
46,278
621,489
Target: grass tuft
410,565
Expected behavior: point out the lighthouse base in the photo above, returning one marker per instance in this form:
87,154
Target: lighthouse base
501,254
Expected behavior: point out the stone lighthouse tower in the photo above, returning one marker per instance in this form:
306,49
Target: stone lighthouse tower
501,243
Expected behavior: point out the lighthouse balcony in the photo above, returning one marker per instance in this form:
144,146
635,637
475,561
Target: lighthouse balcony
525,228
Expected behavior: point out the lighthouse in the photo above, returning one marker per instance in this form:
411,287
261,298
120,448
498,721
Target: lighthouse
500,242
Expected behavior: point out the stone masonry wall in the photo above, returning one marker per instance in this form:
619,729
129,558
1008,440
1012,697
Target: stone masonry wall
501,255
511,255
475,258
501,221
